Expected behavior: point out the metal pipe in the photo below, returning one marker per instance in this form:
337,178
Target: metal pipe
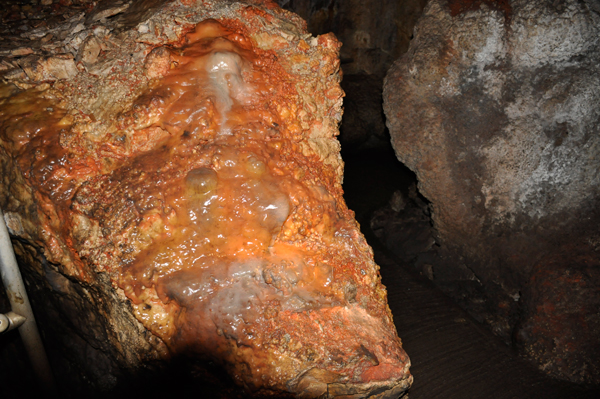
15,290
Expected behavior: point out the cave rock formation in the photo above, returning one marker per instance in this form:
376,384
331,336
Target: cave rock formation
495,108
171,172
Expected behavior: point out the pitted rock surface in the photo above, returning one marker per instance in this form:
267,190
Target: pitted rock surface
495,109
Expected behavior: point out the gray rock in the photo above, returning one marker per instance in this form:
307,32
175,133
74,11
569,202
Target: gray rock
495,108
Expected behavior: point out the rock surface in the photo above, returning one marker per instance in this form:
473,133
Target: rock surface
172,174
495,109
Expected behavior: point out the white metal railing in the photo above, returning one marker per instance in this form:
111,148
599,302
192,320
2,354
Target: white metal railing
21,315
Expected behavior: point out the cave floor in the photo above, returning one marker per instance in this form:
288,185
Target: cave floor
453,356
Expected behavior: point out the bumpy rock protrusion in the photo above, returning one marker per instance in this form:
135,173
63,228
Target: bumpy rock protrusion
180,186
495,107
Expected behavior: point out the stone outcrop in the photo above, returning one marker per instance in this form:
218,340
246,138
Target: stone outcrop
495,108
171,176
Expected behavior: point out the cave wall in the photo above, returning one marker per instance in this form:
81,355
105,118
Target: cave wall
171,177
495,108
373,35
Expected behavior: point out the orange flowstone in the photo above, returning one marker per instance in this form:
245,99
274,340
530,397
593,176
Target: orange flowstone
234,245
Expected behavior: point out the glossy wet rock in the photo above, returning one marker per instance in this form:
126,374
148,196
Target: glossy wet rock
188,174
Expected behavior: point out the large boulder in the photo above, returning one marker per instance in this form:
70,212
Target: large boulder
495,107
171,176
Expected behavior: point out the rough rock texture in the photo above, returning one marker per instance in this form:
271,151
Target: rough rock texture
374,34
495,107
172,175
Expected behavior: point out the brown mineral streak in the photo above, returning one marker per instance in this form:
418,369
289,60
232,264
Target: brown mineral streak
234,245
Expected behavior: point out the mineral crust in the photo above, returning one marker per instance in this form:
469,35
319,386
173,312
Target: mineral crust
178,172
